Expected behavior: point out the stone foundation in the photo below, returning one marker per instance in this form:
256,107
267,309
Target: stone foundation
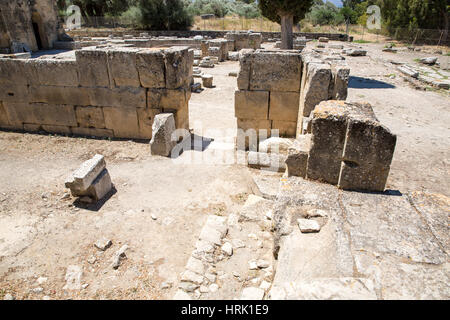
106,92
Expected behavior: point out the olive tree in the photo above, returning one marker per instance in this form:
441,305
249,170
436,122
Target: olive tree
287,13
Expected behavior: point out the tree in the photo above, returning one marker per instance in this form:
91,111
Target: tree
285,12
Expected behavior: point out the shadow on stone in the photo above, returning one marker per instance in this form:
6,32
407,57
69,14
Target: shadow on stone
98,205
366,83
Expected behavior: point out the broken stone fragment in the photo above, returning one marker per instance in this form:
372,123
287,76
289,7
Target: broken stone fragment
118,256
162,130
83,177
429,61
207,81
227,248
252,293
308,226
103,244
297,159
73,278
270,161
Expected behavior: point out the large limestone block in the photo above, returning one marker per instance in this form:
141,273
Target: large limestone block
251,104
284,106
327,144
318,79
54,72
255,40
14,71
250,132
151,67
124,97
101,186
41,113
163,128
123,121
168,98
57,129
297,160
341,76
276,71
90,117
181,117
14,92
145,120
367,157
92,132
93,67
122,67
4,120
177,65
80,180
285,129
60,95
245,61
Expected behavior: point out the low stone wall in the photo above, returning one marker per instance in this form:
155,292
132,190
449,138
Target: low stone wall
245,40
106,92
276,88
191,33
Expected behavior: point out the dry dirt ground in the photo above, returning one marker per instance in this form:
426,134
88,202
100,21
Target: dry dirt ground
159,207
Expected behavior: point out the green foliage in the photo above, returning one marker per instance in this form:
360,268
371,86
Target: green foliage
133,17
275,9
221,8
325,14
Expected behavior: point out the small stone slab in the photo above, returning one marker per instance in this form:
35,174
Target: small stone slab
308,226
83,177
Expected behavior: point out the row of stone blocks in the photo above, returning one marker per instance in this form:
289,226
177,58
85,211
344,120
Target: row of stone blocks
347,146
275,87
113,92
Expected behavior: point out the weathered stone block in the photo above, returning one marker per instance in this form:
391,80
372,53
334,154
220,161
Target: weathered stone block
341,75
56,129
284,106
123,97
14,72
285,129
80,181
150,64
122,67
318,79
168,99
41,113
14,93
367,155
92,132
3,116
276,71
60,95
101,186
53,72
93,67
245,61
251,104
90,117
297,160
251,132
177,65
123,121
207,80
327,143
163,128
145,120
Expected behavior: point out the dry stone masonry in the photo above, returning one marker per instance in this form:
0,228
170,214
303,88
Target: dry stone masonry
102,91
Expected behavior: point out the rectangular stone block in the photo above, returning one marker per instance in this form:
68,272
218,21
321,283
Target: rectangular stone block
101,186
269,161
57,129
316,90
32,127
14,92
145,120
54,72
4,120
41,113
251,104
14,71
60,95
245,62
367,156
122,67
298,153
92,132
150,64
90,117
341,75
284,106
286,129
250,132
80,180
93,67
177,66
276,71
168,99
123,121
327,145
124,97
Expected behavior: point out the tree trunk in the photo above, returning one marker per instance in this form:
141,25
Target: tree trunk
446,25
287,37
